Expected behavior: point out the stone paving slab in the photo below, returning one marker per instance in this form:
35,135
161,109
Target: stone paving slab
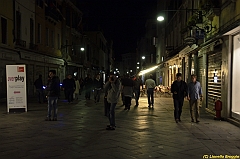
141,133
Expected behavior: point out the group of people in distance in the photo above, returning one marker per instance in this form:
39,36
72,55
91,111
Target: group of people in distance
72,88
126,86
179,88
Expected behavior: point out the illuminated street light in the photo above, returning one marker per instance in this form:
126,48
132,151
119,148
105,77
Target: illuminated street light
147,70
160,18
137,67
130,70
82,49
143,57
138,63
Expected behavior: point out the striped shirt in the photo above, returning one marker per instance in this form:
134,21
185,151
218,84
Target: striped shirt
194,90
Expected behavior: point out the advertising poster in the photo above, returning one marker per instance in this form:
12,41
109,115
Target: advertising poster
16,87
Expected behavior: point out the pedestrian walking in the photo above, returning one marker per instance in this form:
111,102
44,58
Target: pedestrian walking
127,89
137,85
88,86
64,90
77,88
179,90
194,97
69,86
112,87
81,82
38,83
53,89
122,95
150,86
106,104
98,85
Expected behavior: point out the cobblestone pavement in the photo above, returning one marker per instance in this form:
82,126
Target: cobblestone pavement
141,133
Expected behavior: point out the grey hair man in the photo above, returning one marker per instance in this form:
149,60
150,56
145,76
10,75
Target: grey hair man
194,97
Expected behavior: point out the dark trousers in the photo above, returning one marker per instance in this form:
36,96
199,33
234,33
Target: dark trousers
69,94
127,101
150,96
88,93
178,103
137,94
106,107
97,93
65,94
40,95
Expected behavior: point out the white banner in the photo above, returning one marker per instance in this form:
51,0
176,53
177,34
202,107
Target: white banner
16,87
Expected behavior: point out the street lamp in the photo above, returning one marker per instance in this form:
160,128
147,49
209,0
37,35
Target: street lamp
82,49
143,57
160,18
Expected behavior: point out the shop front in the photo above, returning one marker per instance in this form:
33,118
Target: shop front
235,110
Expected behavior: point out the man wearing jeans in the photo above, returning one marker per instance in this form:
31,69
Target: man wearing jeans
113,87
179,90
137,85
194,96
53,89
98,85
150,86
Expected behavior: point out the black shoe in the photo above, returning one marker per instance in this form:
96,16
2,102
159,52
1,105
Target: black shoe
177,120
197,121
110,128
125,108
48,119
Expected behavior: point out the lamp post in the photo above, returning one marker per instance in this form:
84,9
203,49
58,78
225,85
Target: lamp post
160,18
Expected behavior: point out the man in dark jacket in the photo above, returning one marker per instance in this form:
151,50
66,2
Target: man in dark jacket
69,86
179,90
127,89
39,89
53,89
137,85
98,85
88,86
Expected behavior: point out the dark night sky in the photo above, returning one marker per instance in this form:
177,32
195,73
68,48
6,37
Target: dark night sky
123,21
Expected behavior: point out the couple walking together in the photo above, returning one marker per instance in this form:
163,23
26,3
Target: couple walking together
192,91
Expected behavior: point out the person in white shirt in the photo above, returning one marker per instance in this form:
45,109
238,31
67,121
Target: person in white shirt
150,86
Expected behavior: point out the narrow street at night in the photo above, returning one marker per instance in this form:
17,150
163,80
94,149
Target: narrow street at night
141,132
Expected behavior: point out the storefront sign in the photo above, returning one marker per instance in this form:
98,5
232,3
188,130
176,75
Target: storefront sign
16,87
190,41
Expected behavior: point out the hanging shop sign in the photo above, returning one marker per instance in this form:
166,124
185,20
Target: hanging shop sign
190,41
16,87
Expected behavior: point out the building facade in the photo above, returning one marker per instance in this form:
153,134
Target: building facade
45,35
201,38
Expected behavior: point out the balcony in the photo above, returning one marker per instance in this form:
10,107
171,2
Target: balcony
52,14
33,46
20,42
